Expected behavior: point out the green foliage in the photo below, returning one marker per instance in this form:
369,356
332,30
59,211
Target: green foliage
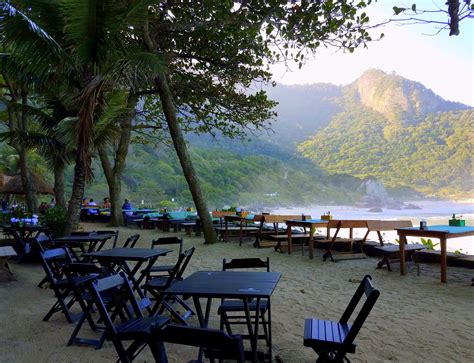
416,146
428,243
55,220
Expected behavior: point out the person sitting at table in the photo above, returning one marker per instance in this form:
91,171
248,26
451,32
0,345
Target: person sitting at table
107,203
127,206
84,202
92,203
43,207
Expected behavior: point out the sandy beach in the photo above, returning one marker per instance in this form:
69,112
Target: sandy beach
417,319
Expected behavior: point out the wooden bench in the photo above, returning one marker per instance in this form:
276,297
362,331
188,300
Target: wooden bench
383,226
391,251
329,242
275,220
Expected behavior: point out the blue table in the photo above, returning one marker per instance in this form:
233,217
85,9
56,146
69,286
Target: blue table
442,232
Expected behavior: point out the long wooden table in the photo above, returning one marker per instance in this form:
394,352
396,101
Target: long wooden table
312,224
443,233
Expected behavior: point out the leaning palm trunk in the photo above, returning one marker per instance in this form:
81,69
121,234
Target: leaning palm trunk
74,207
59,187
185,159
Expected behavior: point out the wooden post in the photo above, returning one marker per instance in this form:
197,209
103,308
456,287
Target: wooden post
311,242
444,259
288,230
403,241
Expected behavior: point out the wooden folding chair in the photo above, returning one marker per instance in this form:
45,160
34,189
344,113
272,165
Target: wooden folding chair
231,311
157,286
155,271
332,340
134,328
131,241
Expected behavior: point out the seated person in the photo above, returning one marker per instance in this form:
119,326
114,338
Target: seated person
92,203
84,202
127,206
107,203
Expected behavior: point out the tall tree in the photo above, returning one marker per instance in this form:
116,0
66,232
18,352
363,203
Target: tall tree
216,52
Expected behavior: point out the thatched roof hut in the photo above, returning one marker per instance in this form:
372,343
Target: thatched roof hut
13,185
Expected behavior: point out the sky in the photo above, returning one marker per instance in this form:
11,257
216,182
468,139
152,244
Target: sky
442,63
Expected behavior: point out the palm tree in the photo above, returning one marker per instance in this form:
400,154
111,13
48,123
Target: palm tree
93,55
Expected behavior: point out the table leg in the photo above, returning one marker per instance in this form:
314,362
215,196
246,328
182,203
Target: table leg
401,244
241,232
226,232
444,259
311,242
203,319
290,242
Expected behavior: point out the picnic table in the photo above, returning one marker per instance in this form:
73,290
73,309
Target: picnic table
231,285
312,224
442,232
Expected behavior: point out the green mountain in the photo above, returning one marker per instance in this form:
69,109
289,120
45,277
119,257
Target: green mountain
401,133
326,140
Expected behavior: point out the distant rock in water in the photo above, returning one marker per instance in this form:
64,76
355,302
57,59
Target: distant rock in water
376,197
412,206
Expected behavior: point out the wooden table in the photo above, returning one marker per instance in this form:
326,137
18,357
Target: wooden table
443,233
95,240
232,285
5,254
312,224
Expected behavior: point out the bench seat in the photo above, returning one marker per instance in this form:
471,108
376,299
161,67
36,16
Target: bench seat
389,251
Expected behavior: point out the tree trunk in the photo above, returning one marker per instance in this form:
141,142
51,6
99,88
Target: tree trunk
27,182
74,207
59,187
115,188
26,177
185,159
113,175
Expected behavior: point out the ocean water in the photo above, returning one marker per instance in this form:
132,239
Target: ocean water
434,212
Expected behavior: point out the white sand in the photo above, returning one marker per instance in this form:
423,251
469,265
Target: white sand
417,319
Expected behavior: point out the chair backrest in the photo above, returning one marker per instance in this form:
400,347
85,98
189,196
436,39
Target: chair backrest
122,296
372,294
53,262
168,241
216,343
131,241
186,257
114,233
244,263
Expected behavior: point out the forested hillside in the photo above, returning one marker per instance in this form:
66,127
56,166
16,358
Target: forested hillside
154,174
395,130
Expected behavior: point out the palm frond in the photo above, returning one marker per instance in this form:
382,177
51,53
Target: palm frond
27,41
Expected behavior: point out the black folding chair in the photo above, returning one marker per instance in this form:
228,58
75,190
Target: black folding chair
158,285
135,327
131,241
215,343
115,237
164,269
54,262
332,340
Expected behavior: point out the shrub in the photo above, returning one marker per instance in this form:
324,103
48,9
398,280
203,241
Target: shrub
55,220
